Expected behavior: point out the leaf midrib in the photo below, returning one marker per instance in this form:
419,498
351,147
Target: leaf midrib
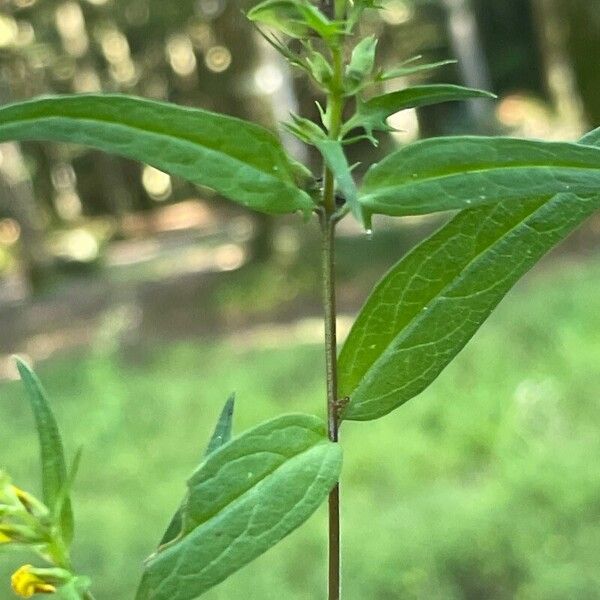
441,291
276,524
151,131
445,282
248,491
412,94
449,174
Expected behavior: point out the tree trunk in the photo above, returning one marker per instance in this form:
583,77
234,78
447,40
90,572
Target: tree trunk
465,41
560,76
583,42
18,202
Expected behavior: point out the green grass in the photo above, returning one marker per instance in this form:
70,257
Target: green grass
487,486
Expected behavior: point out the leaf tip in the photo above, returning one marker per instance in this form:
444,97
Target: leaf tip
229,405
23,367
20,362
363,217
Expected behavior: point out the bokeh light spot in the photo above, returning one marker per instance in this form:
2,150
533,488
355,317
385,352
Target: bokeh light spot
181,55
9,31
218,59
10,231
268,78
397,12
156,183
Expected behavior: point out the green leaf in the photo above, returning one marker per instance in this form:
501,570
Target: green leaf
428,306
408,68
243,499
335,159
296,18
65,491
304,129
241,160
361,64
282,15
292,58
591,138
52,458
371,114
221,435
460,172
318,66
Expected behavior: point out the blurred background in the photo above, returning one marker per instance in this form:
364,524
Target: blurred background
143,302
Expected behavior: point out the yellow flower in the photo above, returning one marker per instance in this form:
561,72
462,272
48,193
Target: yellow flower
4,539
26,582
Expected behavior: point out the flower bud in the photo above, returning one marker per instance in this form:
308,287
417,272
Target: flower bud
27,580
19,534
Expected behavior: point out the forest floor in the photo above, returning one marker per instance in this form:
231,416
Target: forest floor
185,273
182,278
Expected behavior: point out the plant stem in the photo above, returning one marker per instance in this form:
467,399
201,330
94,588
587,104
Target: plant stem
328,282
329,307
335,107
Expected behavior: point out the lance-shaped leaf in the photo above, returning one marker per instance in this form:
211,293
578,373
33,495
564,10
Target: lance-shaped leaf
55,481
335,159
319,67
294,59
221,435
241,160
296,18
461,172
304,129
408,68
371,114
427,308
430,304
334,156
243,499
361,64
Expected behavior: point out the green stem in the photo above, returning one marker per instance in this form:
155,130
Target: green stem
328,281
328,266
335,107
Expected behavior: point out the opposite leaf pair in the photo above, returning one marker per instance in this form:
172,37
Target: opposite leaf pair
245,497
246,163
247,494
